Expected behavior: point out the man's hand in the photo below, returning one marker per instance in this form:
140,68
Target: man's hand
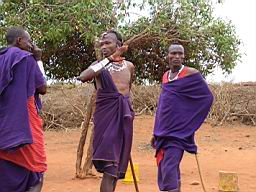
37,52
117,55
152,142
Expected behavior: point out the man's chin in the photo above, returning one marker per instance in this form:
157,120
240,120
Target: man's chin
176,64
26,49
106,54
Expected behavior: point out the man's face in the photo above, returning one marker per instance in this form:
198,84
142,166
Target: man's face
108,44
25,42
176,55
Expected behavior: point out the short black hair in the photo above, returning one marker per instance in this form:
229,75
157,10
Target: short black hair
118,35
13,33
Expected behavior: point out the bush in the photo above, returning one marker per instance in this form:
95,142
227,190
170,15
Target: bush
64,107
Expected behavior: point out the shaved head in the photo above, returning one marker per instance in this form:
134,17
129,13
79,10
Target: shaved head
109,42
176,48
13,33
176,56
113,34
19,37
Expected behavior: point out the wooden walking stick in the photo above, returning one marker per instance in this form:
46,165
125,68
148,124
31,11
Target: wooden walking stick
199,171
134,176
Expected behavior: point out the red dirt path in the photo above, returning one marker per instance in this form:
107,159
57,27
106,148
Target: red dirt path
230,148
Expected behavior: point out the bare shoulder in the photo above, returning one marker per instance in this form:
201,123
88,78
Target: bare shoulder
191,71
130,65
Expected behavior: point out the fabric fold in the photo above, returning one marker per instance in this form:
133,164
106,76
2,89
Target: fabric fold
113,119
182,108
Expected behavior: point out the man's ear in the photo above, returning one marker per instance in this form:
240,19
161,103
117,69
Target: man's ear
18,40
118,44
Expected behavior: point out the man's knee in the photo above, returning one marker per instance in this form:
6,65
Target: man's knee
108,177
107,183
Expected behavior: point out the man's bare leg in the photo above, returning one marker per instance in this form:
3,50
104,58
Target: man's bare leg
114,184
107,183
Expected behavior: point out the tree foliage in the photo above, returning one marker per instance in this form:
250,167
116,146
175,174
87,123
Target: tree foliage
209,42
67,32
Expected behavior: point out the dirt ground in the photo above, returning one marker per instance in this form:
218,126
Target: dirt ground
228,148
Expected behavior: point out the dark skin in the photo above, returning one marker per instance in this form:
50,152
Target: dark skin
25,43
111,49
175,59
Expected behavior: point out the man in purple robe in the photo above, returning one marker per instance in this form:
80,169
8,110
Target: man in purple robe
184,103
22,154
113,117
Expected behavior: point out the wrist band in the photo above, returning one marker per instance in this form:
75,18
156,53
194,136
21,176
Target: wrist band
97,67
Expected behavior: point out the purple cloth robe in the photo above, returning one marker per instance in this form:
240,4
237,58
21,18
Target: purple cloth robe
20,76
113,129
14,178
169,170
182,108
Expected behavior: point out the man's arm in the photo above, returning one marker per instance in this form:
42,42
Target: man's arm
40,79
95,69
191,71
132,74
40,73
42,90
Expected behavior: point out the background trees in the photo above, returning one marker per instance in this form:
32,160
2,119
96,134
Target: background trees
67,30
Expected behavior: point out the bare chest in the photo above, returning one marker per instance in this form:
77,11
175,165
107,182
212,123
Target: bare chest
121,77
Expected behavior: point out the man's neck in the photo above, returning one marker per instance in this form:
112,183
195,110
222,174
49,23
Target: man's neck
175,69
13,45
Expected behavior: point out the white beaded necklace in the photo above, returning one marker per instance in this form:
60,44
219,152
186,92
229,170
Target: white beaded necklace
113,67
176,77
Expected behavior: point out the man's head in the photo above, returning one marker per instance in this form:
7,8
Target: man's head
109,42
175,55
18,37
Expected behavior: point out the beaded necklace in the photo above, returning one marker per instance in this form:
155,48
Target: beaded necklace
114,67
176,77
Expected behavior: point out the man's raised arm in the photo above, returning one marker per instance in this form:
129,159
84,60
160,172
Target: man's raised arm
93,70
96,67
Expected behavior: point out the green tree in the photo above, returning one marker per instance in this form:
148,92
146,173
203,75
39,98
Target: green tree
66,30
209,42
67,33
